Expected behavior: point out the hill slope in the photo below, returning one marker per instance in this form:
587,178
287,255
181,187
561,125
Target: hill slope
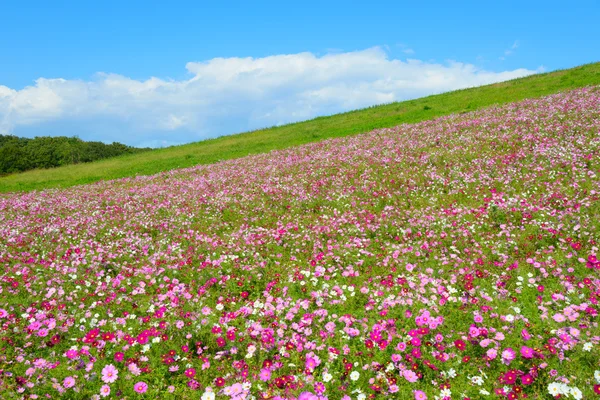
458,255
234,146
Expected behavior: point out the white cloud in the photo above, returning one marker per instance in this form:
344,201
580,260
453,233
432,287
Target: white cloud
405,49
227,95
510,51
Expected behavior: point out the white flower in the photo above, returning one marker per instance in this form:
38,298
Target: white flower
354,376
484,392
446,393
246,385
587,346
576,393
361,396
451,373
327,376
477,380
509,318
208,395
597,376
556,388
219,307
564,389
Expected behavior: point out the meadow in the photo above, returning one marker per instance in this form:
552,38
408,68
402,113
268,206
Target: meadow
340,125
455,258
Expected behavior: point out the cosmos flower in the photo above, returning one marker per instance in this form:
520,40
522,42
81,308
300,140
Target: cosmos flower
109,373
140,387
69,382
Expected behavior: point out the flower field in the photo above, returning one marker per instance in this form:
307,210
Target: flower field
455,258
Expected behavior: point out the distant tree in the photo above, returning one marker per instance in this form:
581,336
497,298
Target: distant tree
21,154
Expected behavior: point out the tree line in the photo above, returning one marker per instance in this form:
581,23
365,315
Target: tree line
19,154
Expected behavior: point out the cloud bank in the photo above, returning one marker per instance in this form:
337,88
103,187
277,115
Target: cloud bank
227,95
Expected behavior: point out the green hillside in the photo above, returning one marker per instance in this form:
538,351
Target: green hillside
264,140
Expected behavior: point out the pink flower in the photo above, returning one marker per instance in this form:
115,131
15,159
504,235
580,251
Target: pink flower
409,375
265,375
104,390
134,369
508,355
69,382
140,387
474,331
109,373
559,318
420,395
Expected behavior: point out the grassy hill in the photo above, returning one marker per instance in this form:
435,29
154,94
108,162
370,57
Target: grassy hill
264,140
457,256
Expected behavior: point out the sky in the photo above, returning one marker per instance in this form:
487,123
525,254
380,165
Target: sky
163,73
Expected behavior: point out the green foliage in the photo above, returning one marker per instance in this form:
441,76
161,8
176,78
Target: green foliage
22,154
264,140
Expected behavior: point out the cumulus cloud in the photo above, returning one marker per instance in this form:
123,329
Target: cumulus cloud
228,95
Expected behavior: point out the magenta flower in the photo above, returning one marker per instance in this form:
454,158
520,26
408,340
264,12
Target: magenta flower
319,387
140,387
527,352
527,379
190,372
71,354
265,375
308,396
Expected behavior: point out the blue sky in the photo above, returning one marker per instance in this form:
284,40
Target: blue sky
160,73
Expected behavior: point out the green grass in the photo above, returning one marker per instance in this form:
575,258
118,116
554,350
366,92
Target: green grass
264,140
